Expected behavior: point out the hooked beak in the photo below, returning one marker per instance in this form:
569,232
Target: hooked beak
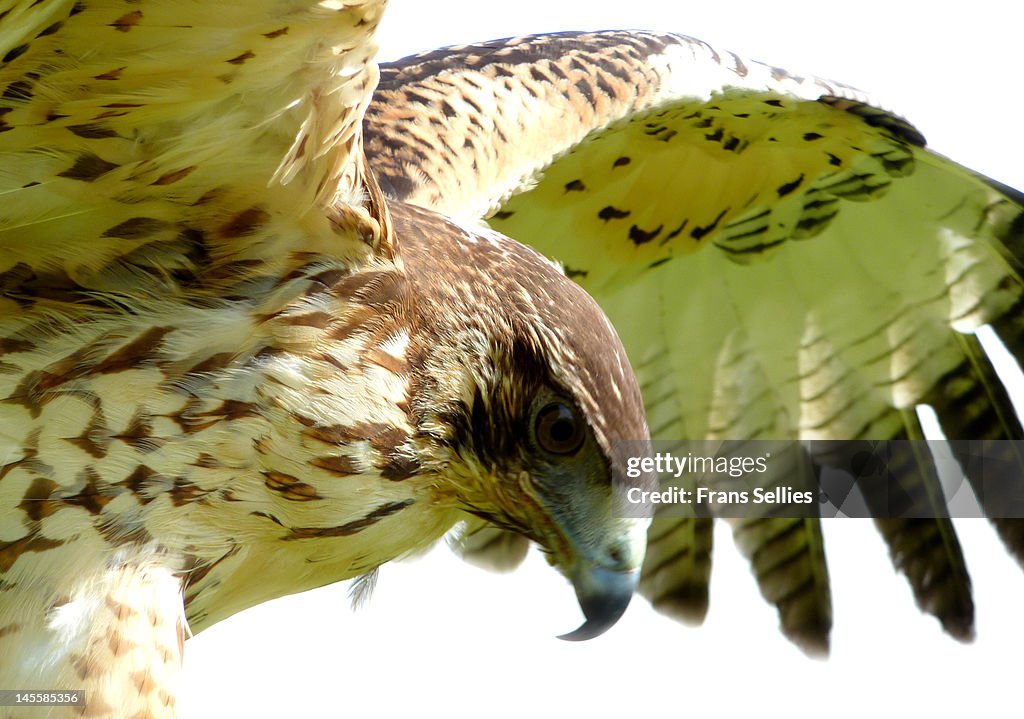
603,595
595,537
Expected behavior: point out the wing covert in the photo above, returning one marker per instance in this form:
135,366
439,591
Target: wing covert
163,139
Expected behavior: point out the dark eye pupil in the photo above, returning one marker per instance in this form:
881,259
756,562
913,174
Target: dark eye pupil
562,430
557,429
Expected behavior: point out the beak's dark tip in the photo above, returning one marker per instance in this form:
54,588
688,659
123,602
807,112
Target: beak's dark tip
587,630
603,595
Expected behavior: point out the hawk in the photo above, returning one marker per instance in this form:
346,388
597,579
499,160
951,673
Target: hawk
243,358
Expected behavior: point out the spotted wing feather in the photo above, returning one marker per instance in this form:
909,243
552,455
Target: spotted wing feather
781,258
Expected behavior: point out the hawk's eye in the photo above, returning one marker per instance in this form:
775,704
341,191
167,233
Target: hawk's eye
557,428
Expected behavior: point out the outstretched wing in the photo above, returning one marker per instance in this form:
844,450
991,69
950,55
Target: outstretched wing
171,175
781,258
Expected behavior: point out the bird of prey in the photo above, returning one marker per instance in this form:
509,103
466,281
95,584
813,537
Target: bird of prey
242,358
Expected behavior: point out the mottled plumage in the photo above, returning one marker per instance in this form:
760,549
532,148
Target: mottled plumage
781,259
234,366
231,371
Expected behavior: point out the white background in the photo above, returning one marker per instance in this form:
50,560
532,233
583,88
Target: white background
440,637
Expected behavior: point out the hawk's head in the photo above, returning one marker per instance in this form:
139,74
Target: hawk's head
521,393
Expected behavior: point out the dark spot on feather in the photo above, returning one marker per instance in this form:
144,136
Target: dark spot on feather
289,487
135,228
87,168
276,33
341,466
640,237
344,530
10,345
207,461
578,66
10,551
808,226
114,74
133,354
245,223
473,82
139,433
586,90
51,29
698,233
232,409
378,289
675,233
95,437
399,467
127,22
17,90
184,492
91,497
91,131
812,136
36,503
621,161
604,86
102,116
412,96
715,136
328,278
740,66
14,53
329,434
172,177
611,213
138,482
557,72
575,186
212,363
787,188
240,59
380,435
387,438
896,166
